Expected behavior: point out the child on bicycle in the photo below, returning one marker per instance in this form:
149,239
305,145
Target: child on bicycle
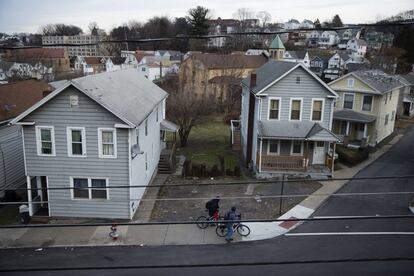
213,206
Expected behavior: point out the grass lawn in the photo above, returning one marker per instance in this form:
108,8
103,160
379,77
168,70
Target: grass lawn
209,139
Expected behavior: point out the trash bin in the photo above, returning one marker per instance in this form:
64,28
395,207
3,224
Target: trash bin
24,214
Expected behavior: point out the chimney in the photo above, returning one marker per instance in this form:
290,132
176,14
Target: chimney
253,78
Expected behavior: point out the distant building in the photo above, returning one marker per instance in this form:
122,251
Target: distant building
73,51
292,24
277,49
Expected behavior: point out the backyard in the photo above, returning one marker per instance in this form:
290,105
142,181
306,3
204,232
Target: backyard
208,140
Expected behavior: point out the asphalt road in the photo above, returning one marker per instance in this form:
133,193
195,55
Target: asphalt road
315,248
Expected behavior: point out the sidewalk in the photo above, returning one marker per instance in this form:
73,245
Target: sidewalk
147,235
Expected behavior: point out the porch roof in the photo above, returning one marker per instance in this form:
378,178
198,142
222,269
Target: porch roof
168,126
408,98
353,116
295,130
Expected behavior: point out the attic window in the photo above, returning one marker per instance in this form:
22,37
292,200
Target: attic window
351,82
297,79
74,100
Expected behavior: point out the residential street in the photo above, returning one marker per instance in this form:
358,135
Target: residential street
315,253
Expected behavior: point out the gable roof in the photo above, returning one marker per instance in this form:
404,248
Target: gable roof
273,71
379,81
17,97
221,61
125,93
277,43
297,54
93,60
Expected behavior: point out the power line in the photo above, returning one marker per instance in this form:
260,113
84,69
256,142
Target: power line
256,197
230,35
120,223
207,265
254,182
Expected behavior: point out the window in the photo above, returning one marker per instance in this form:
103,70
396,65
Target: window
274,108
273,147
295,108
386,98
146,127
367,103
146,162
107,142
45,138
386,119
89,188
393,115
157,111
298,80
390,95
296,147
317,110
348,101
76,141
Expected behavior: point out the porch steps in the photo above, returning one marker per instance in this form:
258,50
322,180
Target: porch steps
164,165
236,140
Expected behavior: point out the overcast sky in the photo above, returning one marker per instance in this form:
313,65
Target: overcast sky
29,15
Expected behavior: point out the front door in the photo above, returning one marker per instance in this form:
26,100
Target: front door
360,131
319,153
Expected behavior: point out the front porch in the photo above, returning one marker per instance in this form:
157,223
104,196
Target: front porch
355,129
315,157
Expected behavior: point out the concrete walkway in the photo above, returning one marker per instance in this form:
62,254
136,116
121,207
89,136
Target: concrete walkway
146,235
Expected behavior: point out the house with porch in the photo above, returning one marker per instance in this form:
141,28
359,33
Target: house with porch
406,100
88,137
285,122
366,109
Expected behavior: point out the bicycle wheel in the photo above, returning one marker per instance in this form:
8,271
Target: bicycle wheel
202,222
221,230
243,230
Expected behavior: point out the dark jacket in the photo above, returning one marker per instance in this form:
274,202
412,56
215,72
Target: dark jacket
213,205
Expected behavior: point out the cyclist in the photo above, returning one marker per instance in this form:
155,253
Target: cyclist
230,217
213,206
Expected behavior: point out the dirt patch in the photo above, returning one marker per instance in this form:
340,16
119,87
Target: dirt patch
250,199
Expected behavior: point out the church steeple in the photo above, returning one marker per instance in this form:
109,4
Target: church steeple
276,48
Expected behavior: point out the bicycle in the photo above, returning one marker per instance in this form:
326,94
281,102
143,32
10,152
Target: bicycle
242,229
204,221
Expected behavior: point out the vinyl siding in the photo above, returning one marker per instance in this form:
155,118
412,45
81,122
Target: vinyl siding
60,168
308,89
11,158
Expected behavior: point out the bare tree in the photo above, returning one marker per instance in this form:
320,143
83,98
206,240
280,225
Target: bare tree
264,17
186,110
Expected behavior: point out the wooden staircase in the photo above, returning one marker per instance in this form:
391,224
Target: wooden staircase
164,165
236,140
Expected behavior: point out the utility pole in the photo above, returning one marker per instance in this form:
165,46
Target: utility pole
281,195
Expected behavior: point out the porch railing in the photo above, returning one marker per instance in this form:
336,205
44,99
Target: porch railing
274,163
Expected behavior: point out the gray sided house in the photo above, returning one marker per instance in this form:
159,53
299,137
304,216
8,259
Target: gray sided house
91,134
286,120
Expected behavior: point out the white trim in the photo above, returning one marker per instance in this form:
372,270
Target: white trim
278,110
301,148
353,101
307,70
260,155
122,126
100,154
268,147
24,123
322,110
69,141
372,103
331,115
39,143
24,152
29,194
89,179
290,109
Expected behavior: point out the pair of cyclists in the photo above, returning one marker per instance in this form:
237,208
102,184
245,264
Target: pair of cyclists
213,206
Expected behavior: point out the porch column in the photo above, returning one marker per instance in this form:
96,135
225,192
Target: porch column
333,159
29,195
365,130
260,155
347,127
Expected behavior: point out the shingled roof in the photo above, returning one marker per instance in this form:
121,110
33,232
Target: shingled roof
221,61
16,97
